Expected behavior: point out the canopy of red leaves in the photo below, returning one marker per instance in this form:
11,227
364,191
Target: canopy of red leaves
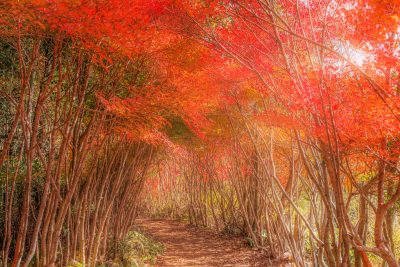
325,80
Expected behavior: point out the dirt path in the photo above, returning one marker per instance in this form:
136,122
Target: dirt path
189,246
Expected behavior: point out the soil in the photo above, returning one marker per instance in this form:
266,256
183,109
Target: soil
188,246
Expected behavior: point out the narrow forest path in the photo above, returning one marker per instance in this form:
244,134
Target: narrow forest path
190,246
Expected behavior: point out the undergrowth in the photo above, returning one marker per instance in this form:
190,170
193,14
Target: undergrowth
138,250
135,250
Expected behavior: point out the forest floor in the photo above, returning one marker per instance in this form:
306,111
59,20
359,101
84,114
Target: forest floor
188,246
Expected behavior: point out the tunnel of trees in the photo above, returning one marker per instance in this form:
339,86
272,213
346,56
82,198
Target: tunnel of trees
275,120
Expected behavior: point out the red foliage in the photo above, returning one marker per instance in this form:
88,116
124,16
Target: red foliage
326,80
338,82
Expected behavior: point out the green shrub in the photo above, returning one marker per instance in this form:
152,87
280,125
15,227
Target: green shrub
138,250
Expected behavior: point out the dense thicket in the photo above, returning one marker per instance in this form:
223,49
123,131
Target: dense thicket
69,181
308,159
62,170
278,120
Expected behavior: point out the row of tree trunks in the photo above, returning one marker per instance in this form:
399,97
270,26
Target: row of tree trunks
66,173
291,195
